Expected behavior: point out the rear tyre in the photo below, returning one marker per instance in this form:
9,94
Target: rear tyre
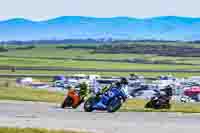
67,102
114,105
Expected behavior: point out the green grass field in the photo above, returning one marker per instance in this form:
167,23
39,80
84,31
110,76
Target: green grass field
11,61
32,130
52,51
33,58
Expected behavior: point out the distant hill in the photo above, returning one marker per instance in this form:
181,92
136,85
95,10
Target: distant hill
76,27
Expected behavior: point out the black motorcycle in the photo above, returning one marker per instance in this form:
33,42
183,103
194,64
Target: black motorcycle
159,102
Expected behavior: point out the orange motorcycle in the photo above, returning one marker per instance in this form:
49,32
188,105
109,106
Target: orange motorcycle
72,99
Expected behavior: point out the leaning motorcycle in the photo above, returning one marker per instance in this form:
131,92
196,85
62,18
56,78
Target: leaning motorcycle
72,99
159,102
110,101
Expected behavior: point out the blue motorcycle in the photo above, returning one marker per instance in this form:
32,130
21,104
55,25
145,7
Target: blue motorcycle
110,101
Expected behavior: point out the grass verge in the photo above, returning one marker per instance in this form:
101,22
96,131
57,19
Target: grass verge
32,130
137,105
28,94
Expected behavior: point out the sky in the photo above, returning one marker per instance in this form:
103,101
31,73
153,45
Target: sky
46,9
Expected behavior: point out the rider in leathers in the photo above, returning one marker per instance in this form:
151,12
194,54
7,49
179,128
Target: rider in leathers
123,85
168,94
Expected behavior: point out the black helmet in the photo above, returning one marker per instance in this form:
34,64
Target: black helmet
168,87
124,81
118,84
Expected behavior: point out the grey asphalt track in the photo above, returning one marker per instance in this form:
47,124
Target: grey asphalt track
44,115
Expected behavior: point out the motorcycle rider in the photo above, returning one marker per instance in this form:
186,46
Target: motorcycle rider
84,90
168,92
162,99
166,96
95,86
122,84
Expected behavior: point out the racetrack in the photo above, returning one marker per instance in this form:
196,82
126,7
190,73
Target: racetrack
72,69
43,115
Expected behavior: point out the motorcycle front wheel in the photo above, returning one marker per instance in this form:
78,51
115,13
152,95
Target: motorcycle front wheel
67,102
148,105
114,105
